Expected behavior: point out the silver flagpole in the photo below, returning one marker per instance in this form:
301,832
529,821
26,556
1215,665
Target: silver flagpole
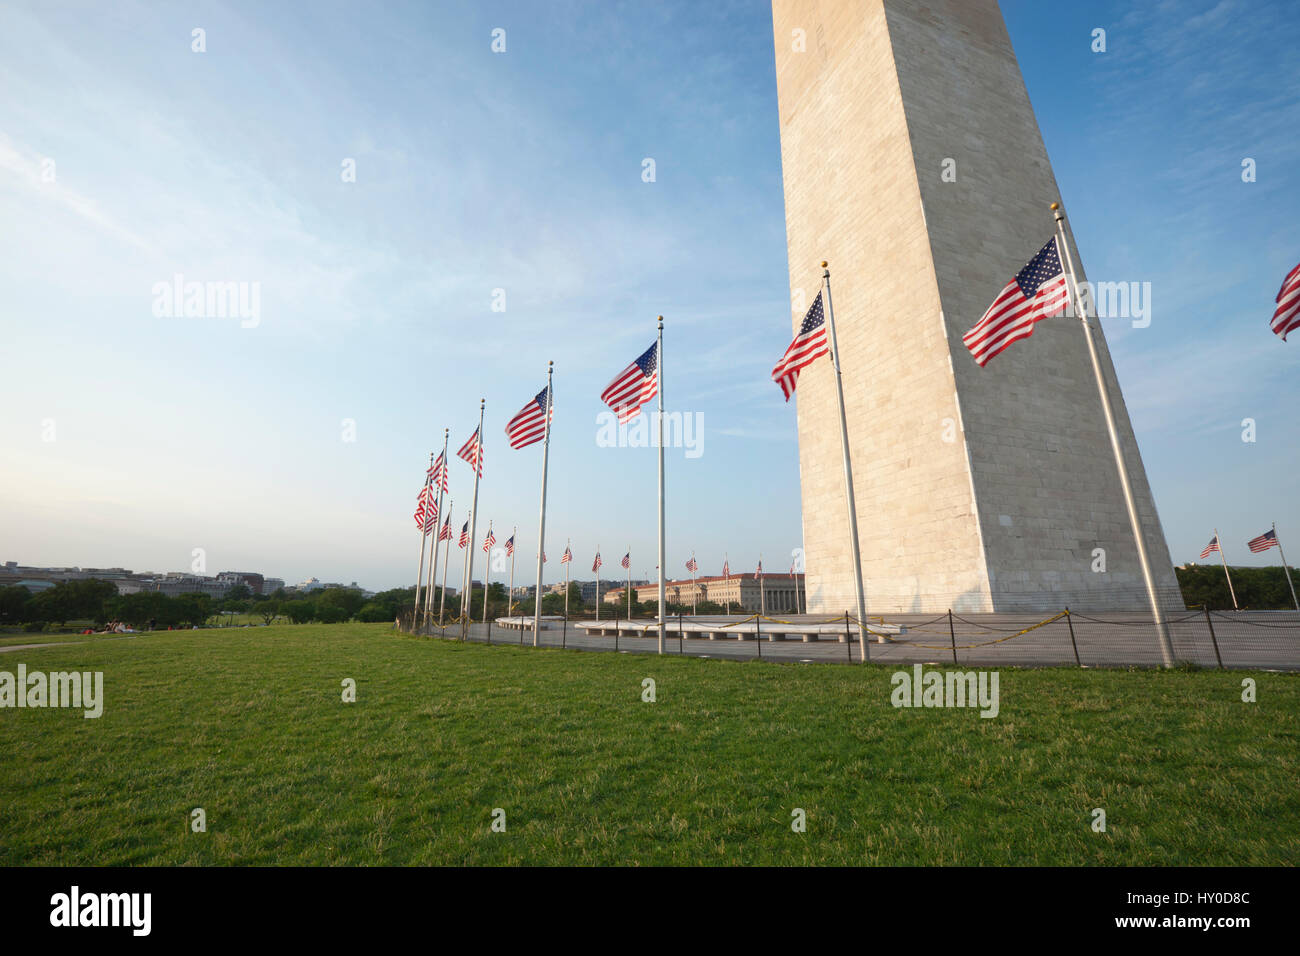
629,584
1224,559
567,543
726,560
487,574
762,592
598,584
848,470
1162,629
1285,570
510,598
695,590
419,575
468,610
659,370
446,560
541,519
437,527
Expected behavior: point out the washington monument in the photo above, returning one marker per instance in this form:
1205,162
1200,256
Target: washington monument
913,163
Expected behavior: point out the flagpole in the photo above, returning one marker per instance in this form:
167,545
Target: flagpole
629,584
510,598
468,610
695,590
487,573
597,581
659,368
848,470
446,560
726,560
1224,559
419,574
541,520
1285,570
437,528
567,543
1162,629
762,592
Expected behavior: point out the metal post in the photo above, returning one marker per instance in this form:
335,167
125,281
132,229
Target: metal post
541,521
848,637
758,634
659,370
679,632
467,608
848,468
1224,559
1286,571
952,635
1162,629
1213,640
446,560
437,528
1073,643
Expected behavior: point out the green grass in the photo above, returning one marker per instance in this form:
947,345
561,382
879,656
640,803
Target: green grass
249,725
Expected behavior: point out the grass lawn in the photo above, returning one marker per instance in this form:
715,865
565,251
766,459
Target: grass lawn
249,725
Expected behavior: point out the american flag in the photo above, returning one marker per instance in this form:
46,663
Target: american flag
627,560
634,386
426,510
1036,292
808,346
759,572
691,565
1287,317
445,533
490,540
510,546
726,570
595,565
438,472
472,452
543,557
529,425
1265,541
566,557
1211,547
464,535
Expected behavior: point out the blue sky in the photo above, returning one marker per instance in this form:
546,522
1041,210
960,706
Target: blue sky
133,439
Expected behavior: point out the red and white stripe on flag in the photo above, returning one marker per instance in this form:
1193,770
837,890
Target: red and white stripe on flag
1211,547
566,557
1287,316
1036,292
809,345
472,452
437,474
1265,541
529,425
634,386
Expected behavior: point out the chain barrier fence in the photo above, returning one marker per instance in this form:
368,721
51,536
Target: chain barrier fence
1199,637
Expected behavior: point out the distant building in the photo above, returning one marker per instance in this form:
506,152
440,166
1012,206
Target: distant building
779,592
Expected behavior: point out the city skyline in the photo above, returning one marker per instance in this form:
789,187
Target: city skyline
134,438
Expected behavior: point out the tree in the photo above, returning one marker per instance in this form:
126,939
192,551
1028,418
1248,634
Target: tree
13,604
240,592
190,609
345,602
269,610
300,611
